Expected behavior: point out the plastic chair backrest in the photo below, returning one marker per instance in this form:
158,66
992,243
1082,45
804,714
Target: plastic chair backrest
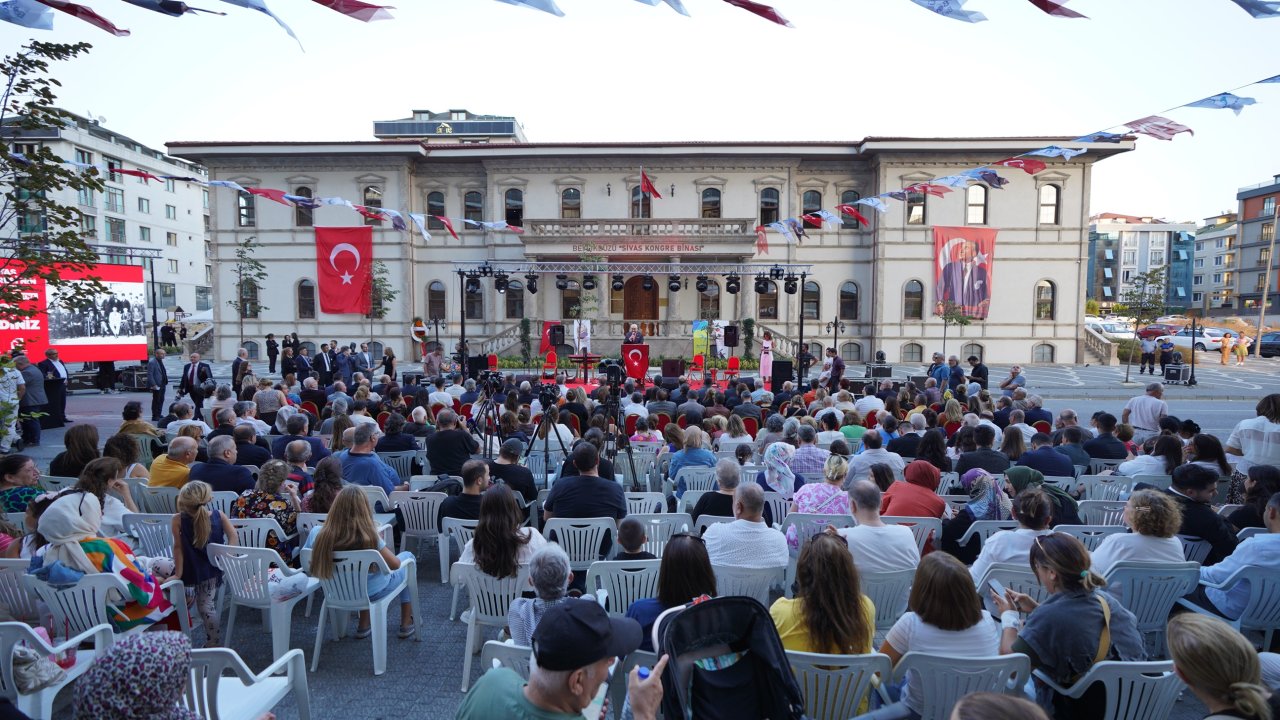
159,499
516,657
1102,512
460,530
645,502
1091,535
1262,612
348,587
735,364
307,522
1018,578
81,606
245,571
888,592
943,679
688,500
706,521
420,511
1134,690
580,538
809,524
1097,465
835,685
54,483
154,532
659,527
14,592
1194,549
778,506
491,597
210,666
625,581
1149,590
376,496
145,456
922,527
697,478
253,532
983,529
224,499
751,582
1162,482
401,462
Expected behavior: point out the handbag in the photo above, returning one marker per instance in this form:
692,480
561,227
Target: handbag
33,671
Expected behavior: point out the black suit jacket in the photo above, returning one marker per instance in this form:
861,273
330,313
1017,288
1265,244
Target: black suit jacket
1199,520
905,445
46,367
203,373
247,454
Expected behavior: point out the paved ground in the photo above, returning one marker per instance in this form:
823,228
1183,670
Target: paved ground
423,678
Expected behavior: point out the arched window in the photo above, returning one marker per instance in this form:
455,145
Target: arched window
811,202
641,205
473,206
849,197
513,201
375,352
1042,353
916,208
769,203
435,207
1049,197
851,352
711,203
435,301
306,300
815,349
767,302
249,305
515,299
811,301
849,301
303,216
252,347
969,350
571,301
913,353
1045,300
570,204
247,209
913,300
709,301
373,199
976,205
309,346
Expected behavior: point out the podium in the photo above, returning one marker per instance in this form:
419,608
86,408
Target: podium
635,358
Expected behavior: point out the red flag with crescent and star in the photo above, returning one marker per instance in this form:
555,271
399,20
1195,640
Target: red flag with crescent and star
544,347
635,358
344,263
646,186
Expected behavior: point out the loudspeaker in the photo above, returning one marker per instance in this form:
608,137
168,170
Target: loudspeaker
881,371
670,383
477,364
731,336
556,336
782,372
672,367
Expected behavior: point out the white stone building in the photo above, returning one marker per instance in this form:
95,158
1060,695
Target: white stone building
576,199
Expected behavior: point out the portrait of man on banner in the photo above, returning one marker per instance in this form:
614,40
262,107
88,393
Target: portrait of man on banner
962,269
582,335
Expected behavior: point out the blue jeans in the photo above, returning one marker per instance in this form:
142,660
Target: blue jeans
389,581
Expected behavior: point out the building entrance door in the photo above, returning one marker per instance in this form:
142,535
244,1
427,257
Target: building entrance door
639,305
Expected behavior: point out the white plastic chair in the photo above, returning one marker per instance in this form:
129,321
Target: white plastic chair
348,591
778,506
420,511
496,654
245,581
1134,690
809,524
1104,487
91,601
544,466
697,478
223,501
639,503
1247,533
212,695
1018,578
153,531
306,522
55,483
751,582
491,600
706,521
1161,482
401,462
1194,549
943,679
453,529
983,529
1102,512
625,581
1226,510
643,465
39,704
888,592
14,592
1149,591
687,501
1091,535
252,532
158,500
581,538
1262,611
922,527
376,497
659,527
835,685
1097,465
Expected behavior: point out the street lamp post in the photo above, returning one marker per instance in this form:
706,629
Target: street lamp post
836,327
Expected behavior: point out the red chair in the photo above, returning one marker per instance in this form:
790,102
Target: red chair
457,406
1042,426
682,422
630,424
751,425
870,422
952,427
699,366
383,417
936,407
549,366
436,408
310,407
537,419
574,423
465,410
658,421
493,362
732,371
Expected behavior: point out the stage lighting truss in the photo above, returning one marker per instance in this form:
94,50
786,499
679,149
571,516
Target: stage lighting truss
531,283
776,272
673,283
485,270
701,284
762,284
618,283
473,284
790,286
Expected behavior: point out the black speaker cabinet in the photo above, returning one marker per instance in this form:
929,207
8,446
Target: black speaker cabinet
731,336
557,335
782,372
673,367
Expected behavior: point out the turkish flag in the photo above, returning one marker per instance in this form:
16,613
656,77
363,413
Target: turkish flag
646,186
636,360
270,194
545,346
344,263
1028,165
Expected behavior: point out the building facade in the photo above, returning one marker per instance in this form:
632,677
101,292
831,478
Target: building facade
1122,247
577,201
1257,226
132,212
1214,288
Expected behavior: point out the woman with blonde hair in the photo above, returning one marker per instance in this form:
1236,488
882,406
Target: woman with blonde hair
823,498
350,526
952,412
735,435
197,524
269,400
1155,519
1221,668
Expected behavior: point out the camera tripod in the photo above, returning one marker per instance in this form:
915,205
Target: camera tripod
617,439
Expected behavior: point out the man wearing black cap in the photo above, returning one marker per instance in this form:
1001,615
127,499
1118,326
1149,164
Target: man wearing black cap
573,647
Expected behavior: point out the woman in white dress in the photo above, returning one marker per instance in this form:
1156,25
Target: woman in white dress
766,358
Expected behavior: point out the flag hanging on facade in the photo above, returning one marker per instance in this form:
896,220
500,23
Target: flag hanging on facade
762,240
1027,165
646,186
448,225
852,212
269,193
344,264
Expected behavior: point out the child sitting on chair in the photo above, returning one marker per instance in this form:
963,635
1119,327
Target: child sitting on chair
632,537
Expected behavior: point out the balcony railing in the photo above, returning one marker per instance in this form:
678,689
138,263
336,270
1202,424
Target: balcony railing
642,227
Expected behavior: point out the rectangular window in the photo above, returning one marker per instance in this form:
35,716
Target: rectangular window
1107,273
1127,276
617,306
168,294
1182,255
84,156
1218,261
89,225
1197,297
246,210
915,208
170,212
1219,243
1229,259
1157,257
115,230
1130,257
1263,255
144,205
208,273
1197,280
1217,278
85,197
173,266
171,239
1200,247
1262,282
1269,206
1109,254
115,199
1226,278
1106,291
169,185
1268,232
112,166
1199,262
1129,239
1182,292
205,199
204,298
144,234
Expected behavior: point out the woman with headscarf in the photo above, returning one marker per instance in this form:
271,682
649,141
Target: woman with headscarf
987,501
70,527
1065,509
918,496
140,676
777,475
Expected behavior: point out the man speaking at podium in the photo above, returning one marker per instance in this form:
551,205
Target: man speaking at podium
634,336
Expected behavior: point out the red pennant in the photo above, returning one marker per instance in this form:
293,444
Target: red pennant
277,195
646,186
88,15
928,189
1030,166
447,225
136,173
852,212
370,213
344,263
762,240
1057,9
358,10
763,11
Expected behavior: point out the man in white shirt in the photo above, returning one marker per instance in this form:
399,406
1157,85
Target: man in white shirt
989,423
877,547
1017,422
439,396
844,401
636,407
868,401
457,388
1261,550
1258,438
1144,412
747,542
872,452
184,412
247,414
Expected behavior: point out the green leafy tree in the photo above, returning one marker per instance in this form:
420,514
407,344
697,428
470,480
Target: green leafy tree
951,314
1144,301
36,230
1091,307
381,290
526,340
748,335
249,274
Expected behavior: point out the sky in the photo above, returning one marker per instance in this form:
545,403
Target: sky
620,70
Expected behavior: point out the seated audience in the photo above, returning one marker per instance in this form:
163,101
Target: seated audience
684,575
133,423
326,483
124,449
1032,510
1154,518
873,453
1256,441
822,498
1193,488
586,495
221,471
549,574
450,445
1221,668
632,539
81,443
1106,446
466,504
988,500
104,479
1046,459
1071,447
777,470
1260,550
993,461
272,497
19,482
719,502
195,526
1166,455
248,452
876,546
1261,483
694,454
506,468
361,466
917,496
829,613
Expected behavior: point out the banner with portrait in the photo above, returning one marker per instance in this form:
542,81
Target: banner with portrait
962,270
582,335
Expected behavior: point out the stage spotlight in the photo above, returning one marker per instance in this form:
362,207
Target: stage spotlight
790,285
588,282
701,284
532,283
647,284
762,284
485,270
562,282
776,272
618,283
673,283
732,284
500,282
473,285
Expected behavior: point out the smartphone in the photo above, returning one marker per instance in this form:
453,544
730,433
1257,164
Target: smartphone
996,587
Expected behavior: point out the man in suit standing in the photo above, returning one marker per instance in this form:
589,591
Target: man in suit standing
237,369
194,375
344,365
964,281
634,336
364,361
55,388
302,364
837,371
273,352
324,366
157,383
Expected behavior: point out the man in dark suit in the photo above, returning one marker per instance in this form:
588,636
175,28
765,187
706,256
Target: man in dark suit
1000,417
1044,457
364,360
964,282
1193,489
1106,446
221,472
55,389
837,370
247,450
313,394
302,364
273,352
633,336
297,427
324,366
157,383
237,368
194,375
993,461
344,365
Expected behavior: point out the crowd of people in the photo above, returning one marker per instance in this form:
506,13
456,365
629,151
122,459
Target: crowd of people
871,453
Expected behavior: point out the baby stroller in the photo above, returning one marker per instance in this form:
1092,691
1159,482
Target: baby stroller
726,661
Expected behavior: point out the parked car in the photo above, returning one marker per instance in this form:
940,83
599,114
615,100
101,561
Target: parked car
1205,338
1155,330
1270,344
1182,319
1113,331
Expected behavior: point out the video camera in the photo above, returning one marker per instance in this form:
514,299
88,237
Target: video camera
490,382
612,371
548,394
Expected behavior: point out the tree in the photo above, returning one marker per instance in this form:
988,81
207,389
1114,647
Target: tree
526,340
951,314
250,275
748,335
381,293
1091,307
37,231
1144,301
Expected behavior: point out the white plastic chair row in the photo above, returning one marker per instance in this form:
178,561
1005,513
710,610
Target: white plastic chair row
39,704
1102,512
645,502
751,582
923,528
1262,610
491,600
246,580
624,581
211,694
1149,591
659,527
